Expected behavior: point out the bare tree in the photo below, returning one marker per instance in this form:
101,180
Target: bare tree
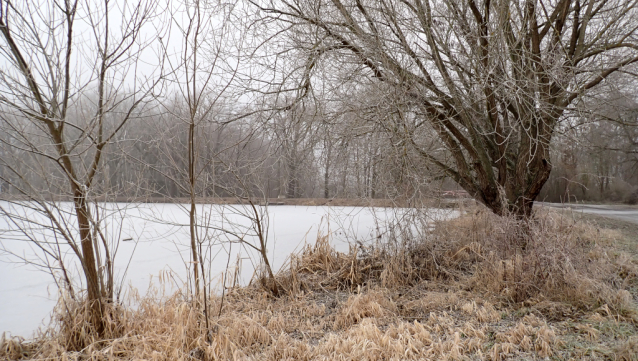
294,131
208,144
595,151
492,79
65,78
202,75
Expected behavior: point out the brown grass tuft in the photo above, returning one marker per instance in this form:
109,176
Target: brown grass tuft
368,305
628,351
12,348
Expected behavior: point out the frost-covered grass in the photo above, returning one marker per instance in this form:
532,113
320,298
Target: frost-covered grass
478,287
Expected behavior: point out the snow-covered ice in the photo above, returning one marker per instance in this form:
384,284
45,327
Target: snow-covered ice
152,239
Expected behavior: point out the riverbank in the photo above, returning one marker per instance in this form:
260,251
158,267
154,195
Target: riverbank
464,290
334,202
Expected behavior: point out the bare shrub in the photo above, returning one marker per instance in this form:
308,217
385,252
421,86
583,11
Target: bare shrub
403,256
552,257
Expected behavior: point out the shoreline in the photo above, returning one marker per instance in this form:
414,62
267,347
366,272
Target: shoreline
337,202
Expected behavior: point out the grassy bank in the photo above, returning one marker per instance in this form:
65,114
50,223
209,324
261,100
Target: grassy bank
474,288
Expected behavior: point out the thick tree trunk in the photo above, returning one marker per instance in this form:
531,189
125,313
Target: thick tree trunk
520,191
293,183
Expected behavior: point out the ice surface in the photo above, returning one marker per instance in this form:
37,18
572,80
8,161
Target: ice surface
153,240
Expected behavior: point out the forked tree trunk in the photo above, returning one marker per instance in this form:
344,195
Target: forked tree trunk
516,197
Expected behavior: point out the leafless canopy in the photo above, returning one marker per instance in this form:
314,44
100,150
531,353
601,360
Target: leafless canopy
491,78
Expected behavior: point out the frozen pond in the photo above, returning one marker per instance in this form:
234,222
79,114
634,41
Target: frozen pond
153,240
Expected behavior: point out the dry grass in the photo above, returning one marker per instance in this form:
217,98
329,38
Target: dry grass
554,258
476,288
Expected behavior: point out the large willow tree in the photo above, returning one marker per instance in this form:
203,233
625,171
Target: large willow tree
491,79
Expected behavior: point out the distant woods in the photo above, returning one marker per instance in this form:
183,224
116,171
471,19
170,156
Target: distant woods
339,157
595,155
355,99
295,154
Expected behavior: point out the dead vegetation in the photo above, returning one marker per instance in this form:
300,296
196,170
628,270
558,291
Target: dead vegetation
479,287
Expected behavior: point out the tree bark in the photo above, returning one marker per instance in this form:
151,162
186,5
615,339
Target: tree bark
94,293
